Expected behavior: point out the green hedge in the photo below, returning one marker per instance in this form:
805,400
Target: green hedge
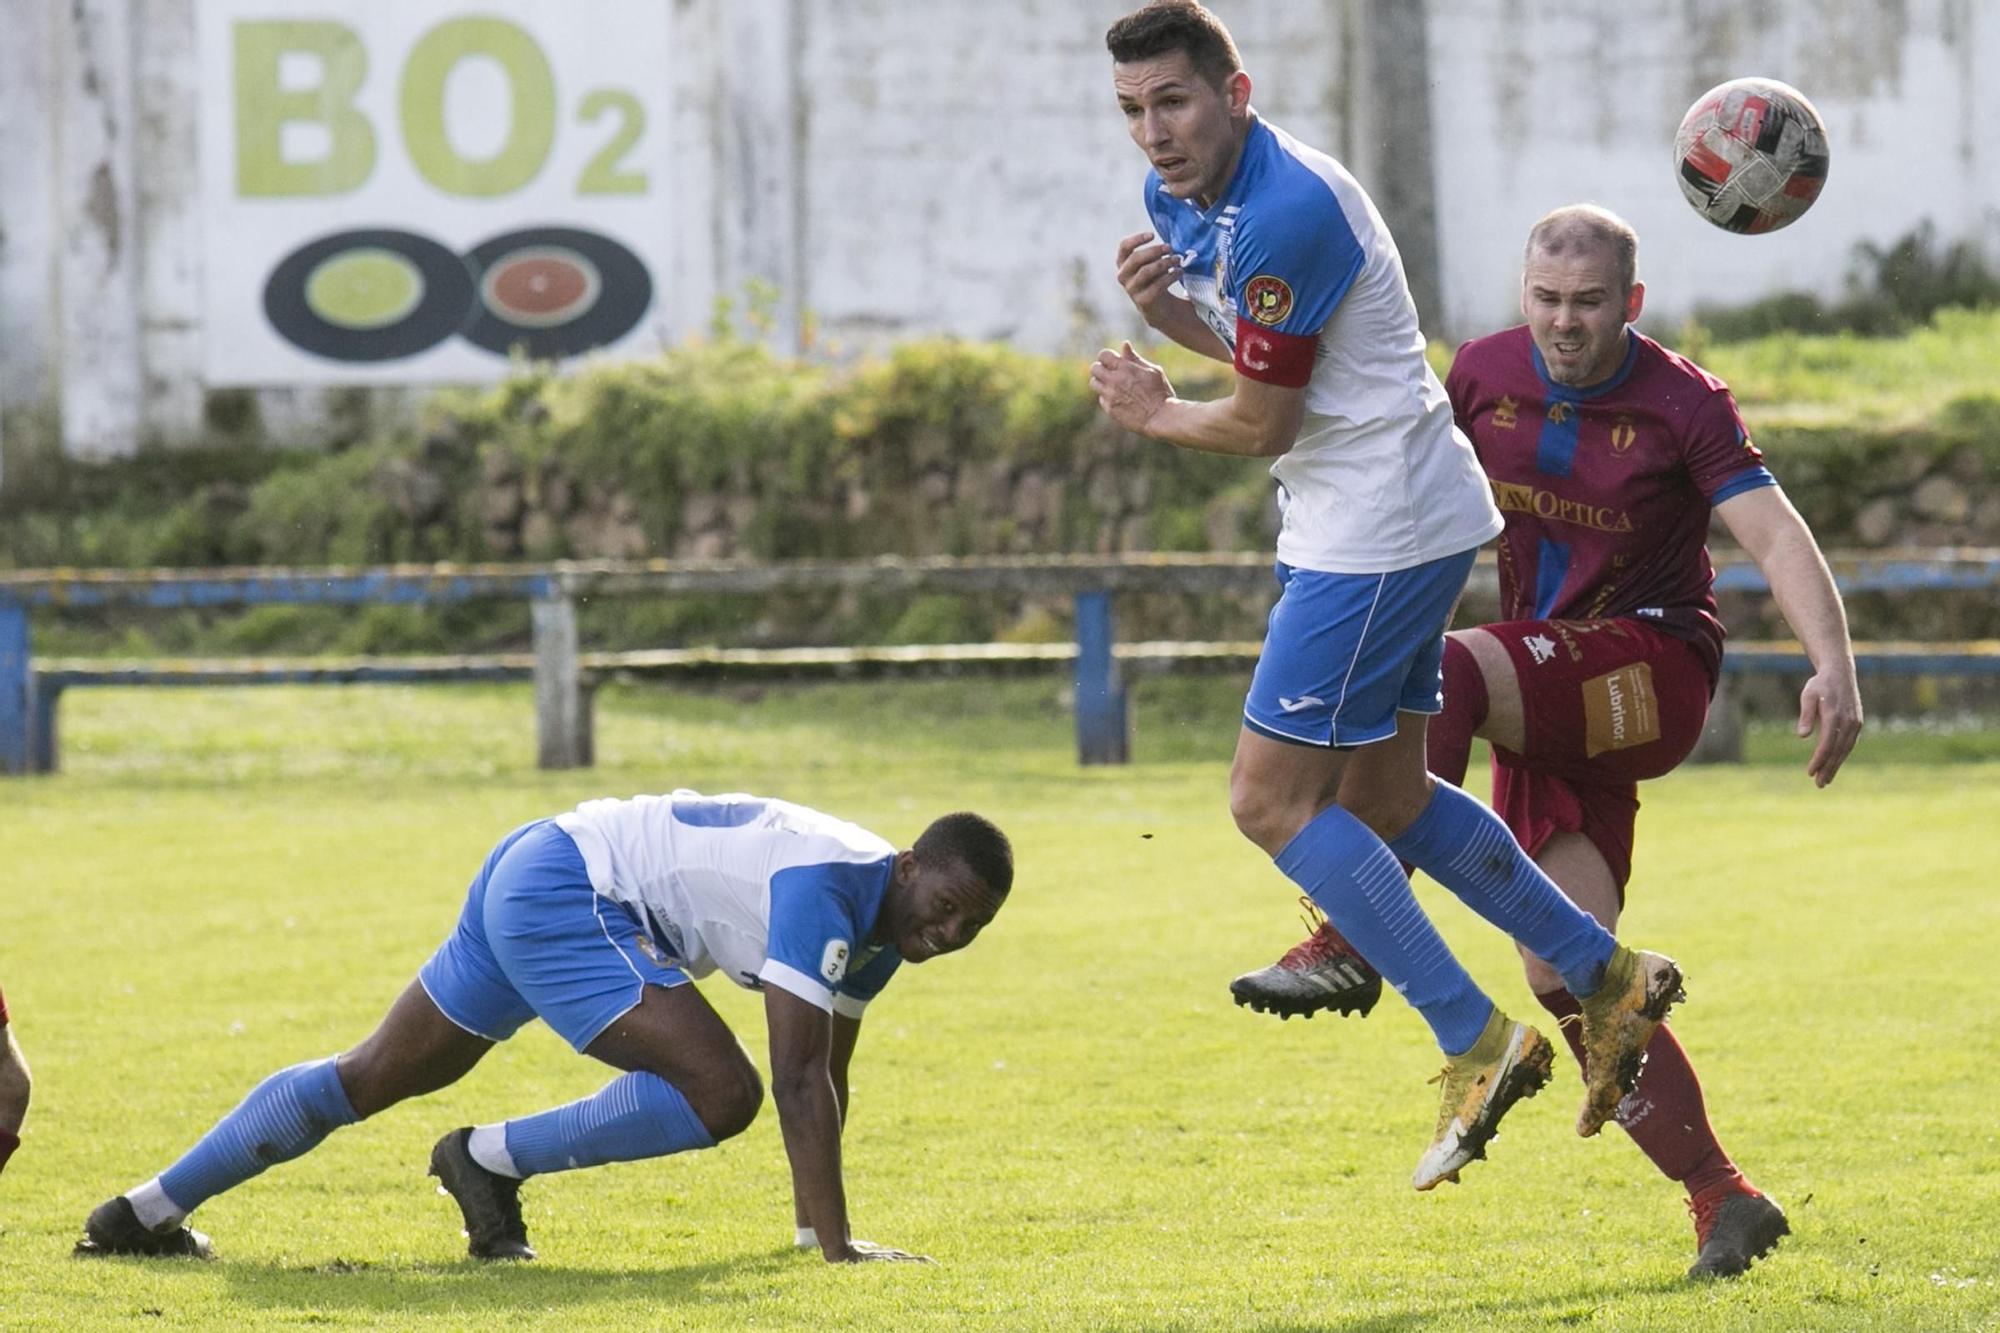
939,447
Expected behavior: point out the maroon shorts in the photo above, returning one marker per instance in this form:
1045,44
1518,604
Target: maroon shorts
3,1009
1607,704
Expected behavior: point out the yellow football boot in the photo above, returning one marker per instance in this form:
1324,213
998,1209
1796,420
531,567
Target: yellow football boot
1618,1023
1509,1061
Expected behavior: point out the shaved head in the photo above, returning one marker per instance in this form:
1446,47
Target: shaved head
1581,228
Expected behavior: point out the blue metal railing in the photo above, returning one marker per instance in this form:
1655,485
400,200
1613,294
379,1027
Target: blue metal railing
1093,581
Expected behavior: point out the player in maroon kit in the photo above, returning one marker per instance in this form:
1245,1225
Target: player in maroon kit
13,1088
1607,454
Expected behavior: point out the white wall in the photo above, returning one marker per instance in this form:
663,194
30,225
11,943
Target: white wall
906,167
974,176
1557,101
27,380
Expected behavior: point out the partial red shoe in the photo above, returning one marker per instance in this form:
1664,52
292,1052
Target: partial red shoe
1734,1226
1322,971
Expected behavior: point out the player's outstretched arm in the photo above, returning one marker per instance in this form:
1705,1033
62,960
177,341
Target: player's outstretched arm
845,1033
1777,538
809,1116
1147,270
1257,420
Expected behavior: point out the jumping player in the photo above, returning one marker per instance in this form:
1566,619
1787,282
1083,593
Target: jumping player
15,1085
1284,269
1607,454
594,921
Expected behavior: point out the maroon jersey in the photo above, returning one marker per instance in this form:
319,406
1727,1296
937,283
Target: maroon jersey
1606,490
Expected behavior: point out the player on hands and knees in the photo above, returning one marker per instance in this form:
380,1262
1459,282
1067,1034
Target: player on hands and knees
15,1085
1608,454
595,921
1265,252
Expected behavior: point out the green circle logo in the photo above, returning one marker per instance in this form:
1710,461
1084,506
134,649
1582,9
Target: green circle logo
365,288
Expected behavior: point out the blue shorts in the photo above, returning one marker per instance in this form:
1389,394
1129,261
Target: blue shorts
536,939
1344,653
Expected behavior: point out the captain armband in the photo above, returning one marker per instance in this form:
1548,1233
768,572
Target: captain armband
1271,357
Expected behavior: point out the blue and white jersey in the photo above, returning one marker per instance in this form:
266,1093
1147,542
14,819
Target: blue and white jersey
1293,269
768,892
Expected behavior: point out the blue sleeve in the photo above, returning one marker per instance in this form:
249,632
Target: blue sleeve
1755,479
814,926
866,982
1293,260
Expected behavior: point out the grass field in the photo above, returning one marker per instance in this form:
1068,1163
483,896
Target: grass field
1070,1116
1847,379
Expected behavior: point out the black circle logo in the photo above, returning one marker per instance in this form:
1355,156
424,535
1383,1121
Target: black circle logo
381,294
376,294
555,292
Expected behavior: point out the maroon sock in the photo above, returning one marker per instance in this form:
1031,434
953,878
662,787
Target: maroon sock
1665,1115
1448,740
9,1141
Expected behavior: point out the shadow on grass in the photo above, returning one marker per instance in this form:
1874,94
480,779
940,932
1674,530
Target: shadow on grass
412,1289
1580,1305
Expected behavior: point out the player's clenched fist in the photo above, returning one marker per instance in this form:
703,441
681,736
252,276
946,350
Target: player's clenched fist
1147,269
1129,388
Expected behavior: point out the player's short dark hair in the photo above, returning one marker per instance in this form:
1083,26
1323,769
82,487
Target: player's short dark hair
1167,26
972,841
1580,226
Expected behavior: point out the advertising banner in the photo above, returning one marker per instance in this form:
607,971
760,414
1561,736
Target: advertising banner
417,190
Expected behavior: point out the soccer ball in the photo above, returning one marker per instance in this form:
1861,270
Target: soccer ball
1751,155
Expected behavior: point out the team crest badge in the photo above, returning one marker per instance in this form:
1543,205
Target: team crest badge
1623,434
1504,412
1268,297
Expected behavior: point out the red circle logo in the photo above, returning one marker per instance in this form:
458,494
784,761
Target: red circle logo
1268,298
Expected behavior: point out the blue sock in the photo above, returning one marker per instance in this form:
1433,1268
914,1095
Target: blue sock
1467,848
283,1117
635,1116
1349,872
